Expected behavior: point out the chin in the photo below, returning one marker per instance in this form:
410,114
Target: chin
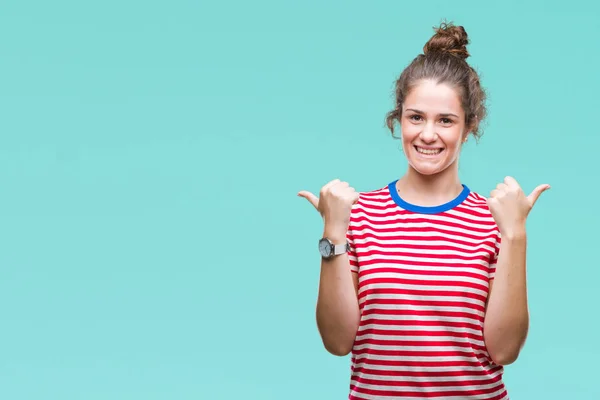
428,167
426,170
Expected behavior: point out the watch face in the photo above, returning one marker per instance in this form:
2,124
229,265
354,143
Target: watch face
325,247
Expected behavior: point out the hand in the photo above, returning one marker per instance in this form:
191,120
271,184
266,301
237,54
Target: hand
510,206
334,204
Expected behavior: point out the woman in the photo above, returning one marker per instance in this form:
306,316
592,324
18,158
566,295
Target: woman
415,280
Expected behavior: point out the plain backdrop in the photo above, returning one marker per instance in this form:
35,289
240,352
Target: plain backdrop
152,244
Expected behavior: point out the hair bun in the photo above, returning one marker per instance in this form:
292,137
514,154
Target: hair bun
448,39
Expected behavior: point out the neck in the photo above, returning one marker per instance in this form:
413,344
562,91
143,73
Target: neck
430,190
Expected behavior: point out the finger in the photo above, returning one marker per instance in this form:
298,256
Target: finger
314,200
354,195
338,186
494,193
502,186
329,184
536,193
511,182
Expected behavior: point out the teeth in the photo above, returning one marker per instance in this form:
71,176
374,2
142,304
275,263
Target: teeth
428,151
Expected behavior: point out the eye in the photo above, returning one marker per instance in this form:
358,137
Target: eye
446,121
415,117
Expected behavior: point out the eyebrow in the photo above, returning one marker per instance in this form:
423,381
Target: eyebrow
441,115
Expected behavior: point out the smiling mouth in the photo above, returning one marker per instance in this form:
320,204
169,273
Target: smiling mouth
428,152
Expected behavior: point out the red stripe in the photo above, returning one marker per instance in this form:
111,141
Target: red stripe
435,374
371,239
430,384
421,313
426,302
423,282
418,293
421,364
430,394
400,270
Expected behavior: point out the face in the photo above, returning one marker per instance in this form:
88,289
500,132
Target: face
433,127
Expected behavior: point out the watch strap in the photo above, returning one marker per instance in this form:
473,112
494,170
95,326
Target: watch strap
340,248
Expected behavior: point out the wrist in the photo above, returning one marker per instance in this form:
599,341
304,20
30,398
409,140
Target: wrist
335,234
515,233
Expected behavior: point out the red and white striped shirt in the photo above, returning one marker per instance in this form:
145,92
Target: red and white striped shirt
423,280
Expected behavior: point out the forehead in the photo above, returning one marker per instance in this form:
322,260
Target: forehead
431,97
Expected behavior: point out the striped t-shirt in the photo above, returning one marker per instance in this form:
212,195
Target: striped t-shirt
423,280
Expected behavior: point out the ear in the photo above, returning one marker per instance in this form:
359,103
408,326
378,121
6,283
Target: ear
472,127
469,129
466,136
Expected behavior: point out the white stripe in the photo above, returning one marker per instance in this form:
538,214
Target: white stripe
394,238
427,379
455,359
441,262
445,279
430,297
428,349
425,339
400,368
413,307
482,214
466,220
408,317
432,289
427,268
382,199
388,245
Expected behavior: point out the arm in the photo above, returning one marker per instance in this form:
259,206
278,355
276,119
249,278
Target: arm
507,317
338,315
506,322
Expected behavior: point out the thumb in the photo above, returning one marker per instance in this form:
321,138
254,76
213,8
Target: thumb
314,200
536,193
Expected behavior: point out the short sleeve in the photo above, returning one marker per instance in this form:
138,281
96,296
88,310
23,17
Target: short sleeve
494,257
352,255
352,251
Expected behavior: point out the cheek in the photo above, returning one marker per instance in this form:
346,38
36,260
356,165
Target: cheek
453,138
409,131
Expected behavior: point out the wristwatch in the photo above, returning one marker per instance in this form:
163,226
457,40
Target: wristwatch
328,249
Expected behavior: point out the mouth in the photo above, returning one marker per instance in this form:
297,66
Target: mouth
428,152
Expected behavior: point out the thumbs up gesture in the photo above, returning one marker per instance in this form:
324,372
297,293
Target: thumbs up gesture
334,204
510,206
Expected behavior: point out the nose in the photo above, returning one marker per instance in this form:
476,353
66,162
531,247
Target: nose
428,134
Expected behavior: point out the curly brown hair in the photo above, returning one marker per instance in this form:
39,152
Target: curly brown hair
444,60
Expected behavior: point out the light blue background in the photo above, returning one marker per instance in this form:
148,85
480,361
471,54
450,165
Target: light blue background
152,244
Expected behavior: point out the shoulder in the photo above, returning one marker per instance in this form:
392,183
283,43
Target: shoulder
477,201
476,205
372,203
373,197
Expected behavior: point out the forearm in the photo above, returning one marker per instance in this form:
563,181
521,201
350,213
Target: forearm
338,314
507,317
